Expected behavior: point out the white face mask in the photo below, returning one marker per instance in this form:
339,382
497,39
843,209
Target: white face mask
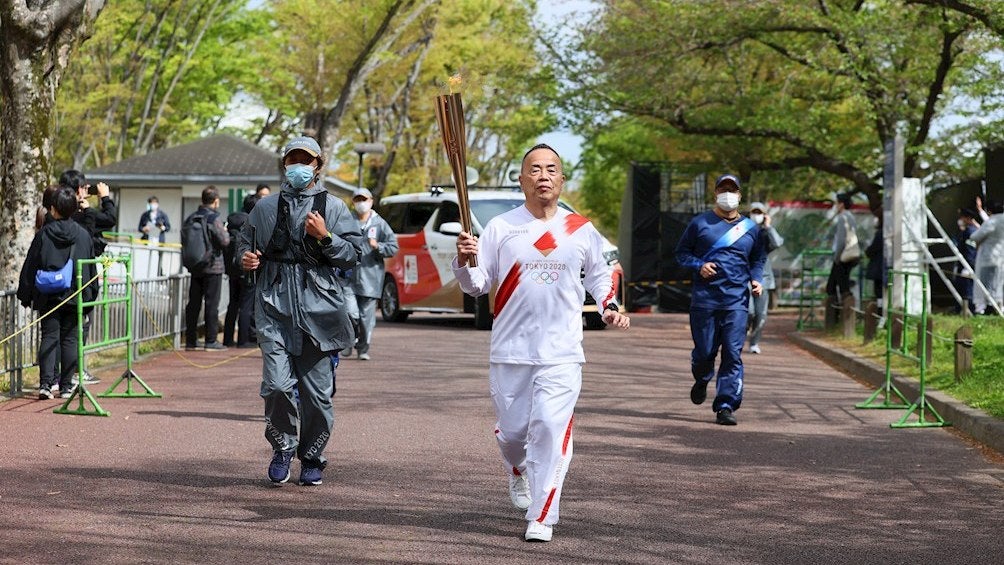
362,207
728,201
962,224
758,218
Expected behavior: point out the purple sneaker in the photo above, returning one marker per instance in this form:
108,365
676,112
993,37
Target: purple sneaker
278,469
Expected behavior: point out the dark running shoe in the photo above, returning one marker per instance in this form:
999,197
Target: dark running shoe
726,417
68,392
699,392
44,393
278,469
310,476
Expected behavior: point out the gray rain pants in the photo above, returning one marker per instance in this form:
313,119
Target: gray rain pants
311,374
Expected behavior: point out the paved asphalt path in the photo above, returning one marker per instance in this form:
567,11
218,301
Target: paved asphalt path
415,475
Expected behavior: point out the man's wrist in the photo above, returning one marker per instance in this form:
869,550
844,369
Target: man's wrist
613,307
326,240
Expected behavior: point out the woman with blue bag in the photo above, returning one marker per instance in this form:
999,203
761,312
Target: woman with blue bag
47,279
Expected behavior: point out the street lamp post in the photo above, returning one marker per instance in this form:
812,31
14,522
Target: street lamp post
364,148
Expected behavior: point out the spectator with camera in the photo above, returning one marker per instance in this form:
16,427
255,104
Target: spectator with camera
94,220
46,280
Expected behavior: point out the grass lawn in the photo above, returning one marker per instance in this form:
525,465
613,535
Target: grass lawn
983,388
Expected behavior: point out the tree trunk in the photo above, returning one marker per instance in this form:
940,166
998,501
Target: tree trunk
36,45
365,63
402,121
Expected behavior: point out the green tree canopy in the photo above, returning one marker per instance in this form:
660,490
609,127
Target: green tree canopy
155,73
776,86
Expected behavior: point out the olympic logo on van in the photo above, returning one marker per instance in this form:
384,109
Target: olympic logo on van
544,277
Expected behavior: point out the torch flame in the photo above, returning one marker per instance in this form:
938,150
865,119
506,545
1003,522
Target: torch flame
454,82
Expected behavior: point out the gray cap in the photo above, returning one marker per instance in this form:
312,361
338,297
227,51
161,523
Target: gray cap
758,206
728,178
308,144
362,192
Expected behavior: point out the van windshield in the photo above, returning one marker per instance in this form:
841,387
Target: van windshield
485,210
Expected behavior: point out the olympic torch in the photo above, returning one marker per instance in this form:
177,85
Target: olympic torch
450,116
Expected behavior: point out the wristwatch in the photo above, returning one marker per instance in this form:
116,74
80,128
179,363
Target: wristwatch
612,306
325,241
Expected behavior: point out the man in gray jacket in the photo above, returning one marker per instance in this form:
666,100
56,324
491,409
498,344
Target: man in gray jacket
366,281
294,241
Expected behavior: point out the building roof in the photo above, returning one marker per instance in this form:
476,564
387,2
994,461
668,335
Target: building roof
219,158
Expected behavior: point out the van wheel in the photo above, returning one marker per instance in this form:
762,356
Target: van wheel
390,305
482,313
594,320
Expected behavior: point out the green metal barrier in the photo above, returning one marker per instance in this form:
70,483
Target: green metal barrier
921,407
104,301
810,299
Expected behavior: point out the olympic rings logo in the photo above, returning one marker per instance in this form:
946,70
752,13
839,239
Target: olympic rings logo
544,277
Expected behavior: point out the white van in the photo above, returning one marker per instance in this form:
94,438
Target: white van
420,278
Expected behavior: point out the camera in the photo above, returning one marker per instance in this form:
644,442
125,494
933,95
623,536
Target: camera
92,189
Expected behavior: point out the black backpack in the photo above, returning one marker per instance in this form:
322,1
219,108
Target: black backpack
196,247
230,257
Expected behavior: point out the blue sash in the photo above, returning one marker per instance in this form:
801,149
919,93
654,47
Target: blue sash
731,236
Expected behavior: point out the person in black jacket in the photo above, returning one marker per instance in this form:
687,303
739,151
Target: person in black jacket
58,241
875,271
94,220
963,278
207,283
241,306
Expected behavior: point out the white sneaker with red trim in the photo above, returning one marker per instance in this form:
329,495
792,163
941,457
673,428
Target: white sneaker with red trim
519,492
536,531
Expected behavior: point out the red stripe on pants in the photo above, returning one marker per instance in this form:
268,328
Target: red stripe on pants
564,451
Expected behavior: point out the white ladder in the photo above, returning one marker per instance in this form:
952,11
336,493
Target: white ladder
955,257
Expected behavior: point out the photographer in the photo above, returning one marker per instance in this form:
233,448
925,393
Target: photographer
94,220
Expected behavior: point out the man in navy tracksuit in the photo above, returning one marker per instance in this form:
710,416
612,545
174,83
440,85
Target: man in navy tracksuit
726,252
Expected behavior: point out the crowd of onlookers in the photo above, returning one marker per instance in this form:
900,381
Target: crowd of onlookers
68,230
69,225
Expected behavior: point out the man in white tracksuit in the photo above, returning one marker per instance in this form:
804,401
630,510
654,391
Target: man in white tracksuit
535,254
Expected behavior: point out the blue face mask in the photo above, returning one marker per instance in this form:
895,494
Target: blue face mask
299,176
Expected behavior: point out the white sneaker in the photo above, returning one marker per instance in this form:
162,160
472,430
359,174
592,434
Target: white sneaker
519,492
755,349
89,379
536,531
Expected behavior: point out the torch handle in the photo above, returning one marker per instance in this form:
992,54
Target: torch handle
450,116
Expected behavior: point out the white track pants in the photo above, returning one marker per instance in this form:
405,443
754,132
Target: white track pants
534,405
